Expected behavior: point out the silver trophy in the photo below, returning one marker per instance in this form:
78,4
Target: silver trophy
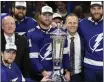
58,37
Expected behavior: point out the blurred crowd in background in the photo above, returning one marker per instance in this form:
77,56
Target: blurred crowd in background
80,8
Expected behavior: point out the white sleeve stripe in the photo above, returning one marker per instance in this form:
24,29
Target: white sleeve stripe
21,33
23,79
93,62
65,51
14,80
30,44
33,55
34,20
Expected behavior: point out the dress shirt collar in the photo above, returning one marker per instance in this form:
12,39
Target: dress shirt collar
6,37
75,36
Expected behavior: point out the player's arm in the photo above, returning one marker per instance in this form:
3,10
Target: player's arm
66,64
34,54
4,77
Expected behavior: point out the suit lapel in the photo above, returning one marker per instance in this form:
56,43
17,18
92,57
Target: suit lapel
16,40
3,41
82,48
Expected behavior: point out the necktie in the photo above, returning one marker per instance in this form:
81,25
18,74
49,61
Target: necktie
10,40
72,52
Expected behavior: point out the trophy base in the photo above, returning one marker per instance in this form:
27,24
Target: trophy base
56,76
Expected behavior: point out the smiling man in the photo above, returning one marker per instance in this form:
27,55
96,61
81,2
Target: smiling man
40,45
92,30
23,23
76,48
8,35
9,70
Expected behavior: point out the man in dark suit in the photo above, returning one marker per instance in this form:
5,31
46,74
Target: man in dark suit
8,36
76,48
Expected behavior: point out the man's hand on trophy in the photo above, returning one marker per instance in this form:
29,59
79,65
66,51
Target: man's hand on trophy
53,25
65,26
45,73
67,76
46,79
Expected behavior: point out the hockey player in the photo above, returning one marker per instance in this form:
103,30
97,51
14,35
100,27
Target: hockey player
92,30
9,69
41,48
23,23
57,18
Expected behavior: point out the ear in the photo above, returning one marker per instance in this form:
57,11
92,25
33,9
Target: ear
2,24
1,54
39,15
13,9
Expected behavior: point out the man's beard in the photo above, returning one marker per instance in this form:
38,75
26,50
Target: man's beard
96,19
19,17
7,61
45,24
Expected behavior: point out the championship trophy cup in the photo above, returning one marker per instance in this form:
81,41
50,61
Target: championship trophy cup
58,37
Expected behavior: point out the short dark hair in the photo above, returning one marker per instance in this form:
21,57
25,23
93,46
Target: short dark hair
65,2
71,14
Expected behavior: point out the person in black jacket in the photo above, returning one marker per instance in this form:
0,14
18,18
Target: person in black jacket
8,35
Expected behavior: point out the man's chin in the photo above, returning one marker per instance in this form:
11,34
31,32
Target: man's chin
96,18
10,62
20,17
47,24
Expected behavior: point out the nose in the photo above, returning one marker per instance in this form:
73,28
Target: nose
20,10
72,24
9,25
96,11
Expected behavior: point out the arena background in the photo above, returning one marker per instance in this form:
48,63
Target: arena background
32,6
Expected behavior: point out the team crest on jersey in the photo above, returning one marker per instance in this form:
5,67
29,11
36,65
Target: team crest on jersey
46,52
96,43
